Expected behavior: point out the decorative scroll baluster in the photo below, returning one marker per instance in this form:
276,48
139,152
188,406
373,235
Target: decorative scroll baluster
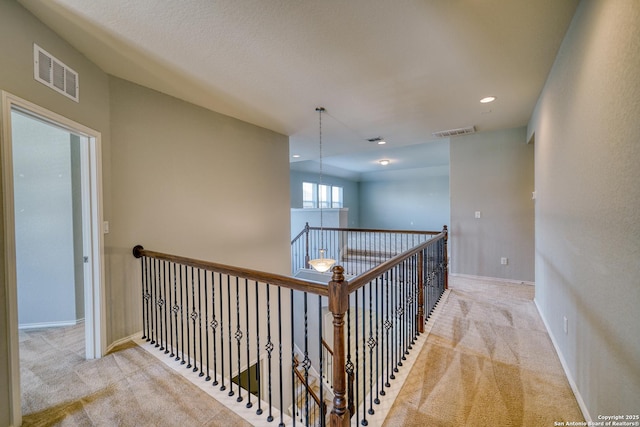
371,342
175,309
293,358
378,337
238,337
161,304
306,363
269,348
145,299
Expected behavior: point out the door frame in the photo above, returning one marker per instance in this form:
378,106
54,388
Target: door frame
91,176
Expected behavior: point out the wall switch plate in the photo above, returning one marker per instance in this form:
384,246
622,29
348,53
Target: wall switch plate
105,227
566,325
504,260
478,215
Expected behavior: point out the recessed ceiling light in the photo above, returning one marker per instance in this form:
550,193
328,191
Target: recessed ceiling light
382,142
384,162
296,156
488,99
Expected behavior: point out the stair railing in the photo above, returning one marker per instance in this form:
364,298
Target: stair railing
220,320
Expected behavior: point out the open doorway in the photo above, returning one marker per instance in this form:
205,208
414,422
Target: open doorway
53,229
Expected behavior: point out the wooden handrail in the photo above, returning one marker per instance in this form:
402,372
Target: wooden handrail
325,345
366,277
245,273
309,389
377,230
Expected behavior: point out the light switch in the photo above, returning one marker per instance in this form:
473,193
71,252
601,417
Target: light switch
478,214
105,227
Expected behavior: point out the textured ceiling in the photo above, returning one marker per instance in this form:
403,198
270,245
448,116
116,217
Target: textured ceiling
399,69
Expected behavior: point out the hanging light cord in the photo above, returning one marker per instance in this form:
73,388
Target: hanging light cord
320,110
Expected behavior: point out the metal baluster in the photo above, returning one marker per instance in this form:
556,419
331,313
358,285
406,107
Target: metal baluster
371,343
152,303
364,421
387,327
201,374
145,311
378,347
222,386
293,360
194,316
231,392
357,370
349,367
214,328
321,361
258,376
169,312
246,310
188,313
206,323
280,356
306,362
269,348
394,330
175,308
163,312
182,362
238,337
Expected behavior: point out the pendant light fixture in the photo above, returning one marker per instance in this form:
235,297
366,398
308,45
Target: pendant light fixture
321,264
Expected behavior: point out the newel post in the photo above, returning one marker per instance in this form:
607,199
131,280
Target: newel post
306,246
446,260
420,315
338,305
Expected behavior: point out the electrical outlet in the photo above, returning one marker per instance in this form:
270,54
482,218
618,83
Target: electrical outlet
566,325
504,260
478,214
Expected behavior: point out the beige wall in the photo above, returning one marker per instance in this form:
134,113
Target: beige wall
492,172
588,204
191,182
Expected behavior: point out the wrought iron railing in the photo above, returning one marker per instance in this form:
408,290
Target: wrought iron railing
357,250
240,328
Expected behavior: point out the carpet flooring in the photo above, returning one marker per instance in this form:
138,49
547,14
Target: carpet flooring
488,361
128,387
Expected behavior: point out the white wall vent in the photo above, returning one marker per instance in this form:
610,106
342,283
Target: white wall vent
52,72
454,132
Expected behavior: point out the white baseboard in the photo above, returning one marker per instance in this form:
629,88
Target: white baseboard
43,325
492,279
565,367
131,337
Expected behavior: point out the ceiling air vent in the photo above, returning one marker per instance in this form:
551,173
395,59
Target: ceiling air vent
53,73
454,132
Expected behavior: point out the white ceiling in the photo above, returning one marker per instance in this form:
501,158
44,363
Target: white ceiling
399,69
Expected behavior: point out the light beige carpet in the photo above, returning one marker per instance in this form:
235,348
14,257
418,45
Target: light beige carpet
488,361
128,387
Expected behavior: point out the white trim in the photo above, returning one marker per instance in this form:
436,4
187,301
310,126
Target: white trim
493,279
94,292
46,325
565,367
132,337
